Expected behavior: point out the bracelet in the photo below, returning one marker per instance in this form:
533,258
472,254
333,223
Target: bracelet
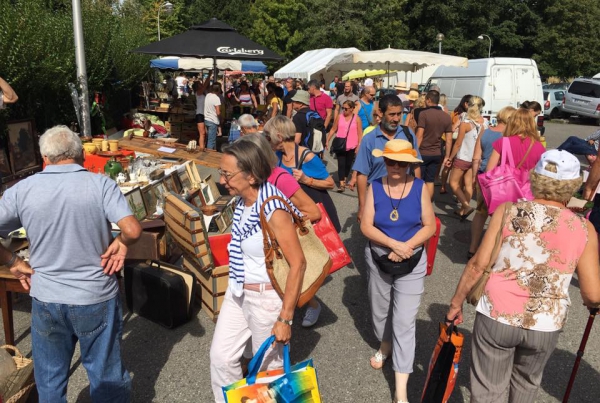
11,261
286,322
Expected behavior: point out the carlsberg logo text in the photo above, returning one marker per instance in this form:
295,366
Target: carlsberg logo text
236,51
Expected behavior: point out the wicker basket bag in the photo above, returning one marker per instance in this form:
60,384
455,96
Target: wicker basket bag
20,383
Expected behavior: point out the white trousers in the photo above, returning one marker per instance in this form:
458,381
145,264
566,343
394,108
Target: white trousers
253,314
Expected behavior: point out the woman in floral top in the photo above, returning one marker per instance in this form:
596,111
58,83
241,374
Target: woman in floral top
526,298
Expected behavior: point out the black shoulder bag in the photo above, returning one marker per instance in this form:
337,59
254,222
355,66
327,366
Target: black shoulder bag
338,145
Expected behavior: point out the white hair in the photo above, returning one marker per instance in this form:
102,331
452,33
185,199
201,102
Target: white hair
247,120
59,143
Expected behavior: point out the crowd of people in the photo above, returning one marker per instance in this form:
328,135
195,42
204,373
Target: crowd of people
394,169
392,151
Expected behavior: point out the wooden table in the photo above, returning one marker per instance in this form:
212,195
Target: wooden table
207,158
8,285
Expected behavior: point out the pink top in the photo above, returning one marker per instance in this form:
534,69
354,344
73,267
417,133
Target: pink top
342,130
519,147
282,180
529,283
320,104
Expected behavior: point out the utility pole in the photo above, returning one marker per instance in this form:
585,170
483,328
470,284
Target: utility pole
86,128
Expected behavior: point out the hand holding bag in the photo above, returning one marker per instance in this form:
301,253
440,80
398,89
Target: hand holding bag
506,183
326,232
318,261
477,291
338,145
292,383
443,366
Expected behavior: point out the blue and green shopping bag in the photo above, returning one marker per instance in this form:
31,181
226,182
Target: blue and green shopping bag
290,384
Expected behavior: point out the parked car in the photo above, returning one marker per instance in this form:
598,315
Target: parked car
555,86
552,103
582,99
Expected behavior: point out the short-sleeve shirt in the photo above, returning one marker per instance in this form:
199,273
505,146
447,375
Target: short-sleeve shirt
299,120
434,122
366,113
66,212
284,181
313,168
210,103
488,137
320,104
287,101
519,147
343,98
374,167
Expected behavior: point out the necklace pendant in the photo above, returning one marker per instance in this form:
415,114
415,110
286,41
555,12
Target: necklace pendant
394,215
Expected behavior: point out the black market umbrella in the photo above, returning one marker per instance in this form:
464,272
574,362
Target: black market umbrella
213,39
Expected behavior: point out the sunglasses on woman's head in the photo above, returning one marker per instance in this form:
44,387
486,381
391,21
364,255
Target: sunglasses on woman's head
391,163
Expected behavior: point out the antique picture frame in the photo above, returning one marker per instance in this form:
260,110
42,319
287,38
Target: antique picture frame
184,178
150,199
5,169
177,182
169,183
195,198
135,200
207,197
22,145
214,190
221,223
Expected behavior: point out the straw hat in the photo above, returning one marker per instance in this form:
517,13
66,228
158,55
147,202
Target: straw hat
401,86
413,95
397,150
414,86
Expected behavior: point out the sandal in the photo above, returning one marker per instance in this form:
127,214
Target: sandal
342,187
466,215
378,360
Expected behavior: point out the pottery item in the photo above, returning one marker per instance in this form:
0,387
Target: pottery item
90,148
104,145
113,145
113,168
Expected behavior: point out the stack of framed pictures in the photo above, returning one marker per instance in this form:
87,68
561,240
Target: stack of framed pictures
208,195
22,156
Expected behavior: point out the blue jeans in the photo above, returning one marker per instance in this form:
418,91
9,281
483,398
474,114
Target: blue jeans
575,145
211,134
55,329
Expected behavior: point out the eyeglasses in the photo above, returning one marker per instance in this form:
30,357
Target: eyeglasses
227,175
391,163
347,109
372,94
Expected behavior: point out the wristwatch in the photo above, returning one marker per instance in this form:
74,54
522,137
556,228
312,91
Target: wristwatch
287,322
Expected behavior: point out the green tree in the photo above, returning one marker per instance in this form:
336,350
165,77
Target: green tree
567,41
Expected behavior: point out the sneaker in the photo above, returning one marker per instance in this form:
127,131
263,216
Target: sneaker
311,316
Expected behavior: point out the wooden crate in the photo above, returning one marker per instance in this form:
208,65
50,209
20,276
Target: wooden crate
213,285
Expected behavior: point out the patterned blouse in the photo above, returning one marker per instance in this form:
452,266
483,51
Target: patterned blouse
528,286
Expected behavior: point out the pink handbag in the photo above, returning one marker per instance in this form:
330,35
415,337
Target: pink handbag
506,182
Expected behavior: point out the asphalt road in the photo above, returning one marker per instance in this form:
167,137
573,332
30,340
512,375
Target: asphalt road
173,365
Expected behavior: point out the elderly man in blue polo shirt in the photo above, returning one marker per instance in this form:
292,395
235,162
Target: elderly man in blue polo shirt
67,212
367,167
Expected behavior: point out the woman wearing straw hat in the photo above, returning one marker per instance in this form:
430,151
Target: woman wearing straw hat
397,219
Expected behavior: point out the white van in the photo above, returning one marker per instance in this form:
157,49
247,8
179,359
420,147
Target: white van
499,81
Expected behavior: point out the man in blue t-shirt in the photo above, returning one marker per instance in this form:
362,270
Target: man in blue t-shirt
367,167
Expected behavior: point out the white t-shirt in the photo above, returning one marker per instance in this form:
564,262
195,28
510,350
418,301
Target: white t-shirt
253,254
200,104
210,103
180,81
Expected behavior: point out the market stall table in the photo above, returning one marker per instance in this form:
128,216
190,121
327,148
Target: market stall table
95,163
8,285
208,158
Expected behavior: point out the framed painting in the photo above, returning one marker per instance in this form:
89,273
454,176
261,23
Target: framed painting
169,183
195,198
207,197
135,199
221,223
22,145
214,190
149,199
184,178
177,182
4,164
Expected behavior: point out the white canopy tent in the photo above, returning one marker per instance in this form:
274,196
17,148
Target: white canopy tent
312,63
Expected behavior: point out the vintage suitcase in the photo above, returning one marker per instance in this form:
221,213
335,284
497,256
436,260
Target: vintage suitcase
149,246
185,223
160,292
213,283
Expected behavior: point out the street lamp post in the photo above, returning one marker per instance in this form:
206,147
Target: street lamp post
168,9
440,37
480,37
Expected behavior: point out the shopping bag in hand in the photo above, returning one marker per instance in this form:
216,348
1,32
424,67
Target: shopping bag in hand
443,367
290,384
331,239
